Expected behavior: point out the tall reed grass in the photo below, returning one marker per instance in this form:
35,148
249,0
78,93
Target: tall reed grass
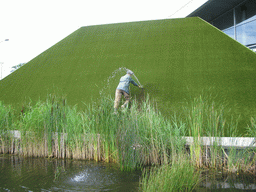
251,129
180,175
204,116
135,137
6,124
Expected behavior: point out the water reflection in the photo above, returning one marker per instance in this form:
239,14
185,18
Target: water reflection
227,182
38,174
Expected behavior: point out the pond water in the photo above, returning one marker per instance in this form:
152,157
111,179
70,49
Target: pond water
42,174
218,182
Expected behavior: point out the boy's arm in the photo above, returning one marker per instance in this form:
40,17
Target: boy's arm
134,83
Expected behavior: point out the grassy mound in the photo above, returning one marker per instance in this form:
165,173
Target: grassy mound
175,59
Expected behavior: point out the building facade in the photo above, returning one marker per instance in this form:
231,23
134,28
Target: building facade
236,18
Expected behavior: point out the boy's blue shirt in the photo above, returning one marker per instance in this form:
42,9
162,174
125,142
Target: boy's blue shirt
125,82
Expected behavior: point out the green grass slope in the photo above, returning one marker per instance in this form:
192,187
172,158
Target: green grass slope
174,59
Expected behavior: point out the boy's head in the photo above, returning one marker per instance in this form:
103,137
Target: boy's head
129,72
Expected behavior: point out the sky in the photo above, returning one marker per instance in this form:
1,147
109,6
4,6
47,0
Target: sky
33,26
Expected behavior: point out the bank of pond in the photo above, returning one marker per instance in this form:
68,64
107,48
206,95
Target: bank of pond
137,138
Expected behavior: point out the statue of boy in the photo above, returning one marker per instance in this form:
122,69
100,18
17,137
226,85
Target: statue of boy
123,89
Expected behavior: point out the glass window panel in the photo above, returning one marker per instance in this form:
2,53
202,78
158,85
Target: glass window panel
230,32
225,21
248,20
245,11
246,33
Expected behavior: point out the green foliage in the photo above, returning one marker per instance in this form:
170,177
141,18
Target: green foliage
181,175
205,115
139,135
43,117
6,117
251,129
6,125
135,137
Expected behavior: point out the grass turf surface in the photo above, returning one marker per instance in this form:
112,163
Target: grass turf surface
174,59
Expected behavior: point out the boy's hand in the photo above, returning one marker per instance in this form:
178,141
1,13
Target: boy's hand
140,86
